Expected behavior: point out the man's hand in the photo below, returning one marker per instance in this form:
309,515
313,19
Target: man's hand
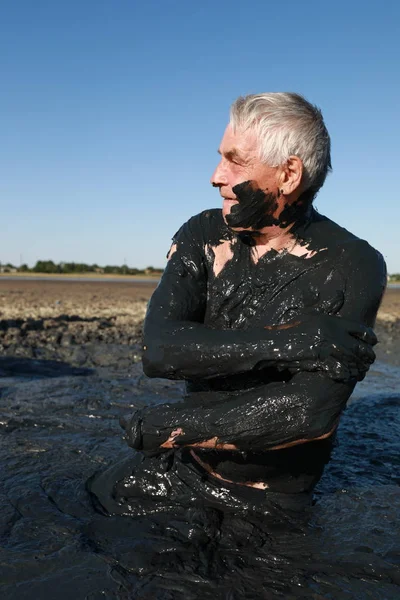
170,441
132,425
321,342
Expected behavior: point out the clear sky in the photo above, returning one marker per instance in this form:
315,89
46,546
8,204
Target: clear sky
112,111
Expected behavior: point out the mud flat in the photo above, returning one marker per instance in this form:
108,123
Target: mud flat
82,323
69,367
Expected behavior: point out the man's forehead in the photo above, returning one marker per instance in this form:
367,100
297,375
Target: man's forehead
238,142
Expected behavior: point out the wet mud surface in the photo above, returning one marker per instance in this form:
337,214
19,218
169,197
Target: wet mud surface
61,398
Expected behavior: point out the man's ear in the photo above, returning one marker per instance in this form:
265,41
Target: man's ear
291,175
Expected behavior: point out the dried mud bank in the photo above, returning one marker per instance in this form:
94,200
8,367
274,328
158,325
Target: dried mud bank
80,323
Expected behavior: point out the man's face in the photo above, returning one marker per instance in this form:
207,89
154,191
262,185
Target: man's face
240,163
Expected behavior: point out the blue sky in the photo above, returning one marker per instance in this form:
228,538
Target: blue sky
112,111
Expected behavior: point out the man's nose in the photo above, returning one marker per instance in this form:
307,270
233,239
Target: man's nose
219,178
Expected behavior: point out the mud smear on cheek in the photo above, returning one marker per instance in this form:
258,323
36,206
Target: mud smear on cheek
255,209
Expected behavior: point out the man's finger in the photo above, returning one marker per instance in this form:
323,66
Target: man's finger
332,305
366,334
365,352
132,426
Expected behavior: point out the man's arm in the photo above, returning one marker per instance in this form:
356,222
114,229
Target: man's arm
275,414
177,345
305,408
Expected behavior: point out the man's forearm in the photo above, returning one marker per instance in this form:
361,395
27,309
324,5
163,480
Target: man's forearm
258,419
188,350
184,350
215,444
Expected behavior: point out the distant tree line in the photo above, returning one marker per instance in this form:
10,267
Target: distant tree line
49,266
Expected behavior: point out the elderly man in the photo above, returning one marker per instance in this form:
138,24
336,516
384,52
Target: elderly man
264,310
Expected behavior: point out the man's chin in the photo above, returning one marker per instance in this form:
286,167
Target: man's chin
226,207
240,229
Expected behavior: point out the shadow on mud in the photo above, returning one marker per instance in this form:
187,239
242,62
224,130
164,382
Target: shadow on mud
11,366
40,324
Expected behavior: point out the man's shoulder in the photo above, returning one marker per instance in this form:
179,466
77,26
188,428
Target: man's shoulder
324,228
354,254
350,245
357,266
212,217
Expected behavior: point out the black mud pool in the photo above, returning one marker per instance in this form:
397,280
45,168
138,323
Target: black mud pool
60,426
271,350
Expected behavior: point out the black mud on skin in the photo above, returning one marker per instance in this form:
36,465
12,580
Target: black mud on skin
256,208
270,353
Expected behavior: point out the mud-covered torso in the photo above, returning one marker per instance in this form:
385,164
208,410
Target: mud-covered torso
244,292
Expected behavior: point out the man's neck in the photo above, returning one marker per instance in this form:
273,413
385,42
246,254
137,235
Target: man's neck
263,242
276,238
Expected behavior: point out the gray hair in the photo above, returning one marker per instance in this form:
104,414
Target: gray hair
286,124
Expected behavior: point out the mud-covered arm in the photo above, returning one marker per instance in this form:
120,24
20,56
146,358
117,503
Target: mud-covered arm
305,408
177,344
